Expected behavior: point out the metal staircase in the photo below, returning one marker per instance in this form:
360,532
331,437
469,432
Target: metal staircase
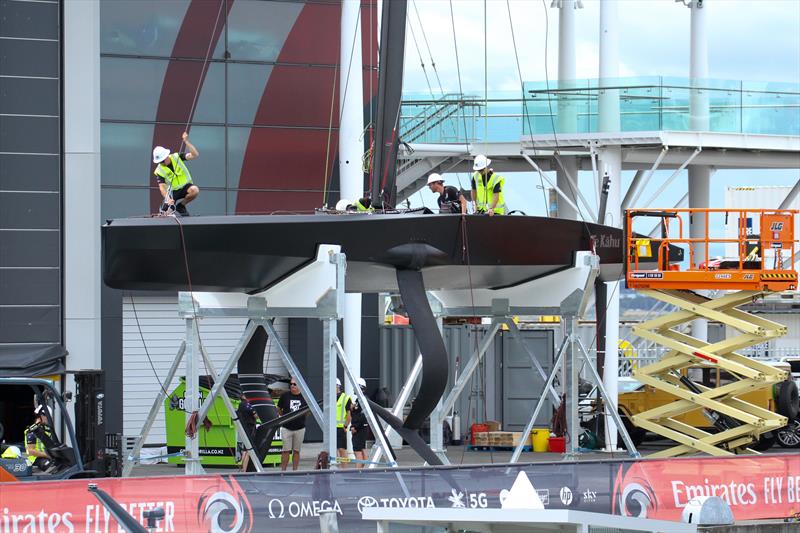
446,121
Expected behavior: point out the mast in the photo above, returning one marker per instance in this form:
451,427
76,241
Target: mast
390,86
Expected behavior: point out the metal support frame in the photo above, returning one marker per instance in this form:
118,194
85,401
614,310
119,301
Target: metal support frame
745,422
633,191
397,409
569,354
324,299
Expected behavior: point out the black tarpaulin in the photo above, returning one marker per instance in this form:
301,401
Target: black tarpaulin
31,361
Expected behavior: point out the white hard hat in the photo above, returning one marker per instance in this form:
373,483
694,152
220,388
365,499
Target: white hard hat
481,162
338,383
361,382
160,153
433,178
342,204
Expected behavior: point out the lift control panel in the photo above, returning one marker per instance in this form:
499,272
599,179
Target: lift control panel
728,249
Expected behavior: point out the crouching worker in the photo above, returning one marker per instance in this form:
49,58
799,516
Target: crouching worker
34,447
174,179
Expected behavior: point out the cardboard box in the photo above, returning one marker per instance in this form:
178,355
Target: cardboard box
493,425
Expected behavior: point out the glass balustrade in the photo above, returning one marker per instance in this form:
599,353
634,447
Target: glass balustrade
645,104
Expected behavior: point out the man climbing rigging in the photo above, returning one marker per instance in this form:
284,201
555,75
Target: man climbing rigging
450,199
174,179
487,188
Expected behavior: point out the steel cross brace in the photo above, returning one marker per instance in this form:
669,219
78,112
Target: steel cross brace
686,351
362,399
569,344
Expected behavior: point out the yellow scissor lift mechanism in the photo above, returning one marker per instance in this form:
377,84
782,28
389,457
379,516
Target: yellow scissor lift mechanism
764,264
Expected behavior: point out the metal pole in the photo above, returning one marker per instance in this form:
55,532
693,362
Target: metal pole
351,148
791,196
567,112
295,372
437,418
571,386
133,456
192,452
227,369
243,436
699,175
540,402
516,334
610,403
329,389
397,410
470,367
373,422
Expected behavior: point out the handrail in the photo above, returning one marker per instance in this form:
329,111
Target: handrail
763,261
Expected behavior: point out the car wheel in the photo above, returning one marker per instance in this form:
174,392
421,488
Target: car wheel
789,436
787,400
764,442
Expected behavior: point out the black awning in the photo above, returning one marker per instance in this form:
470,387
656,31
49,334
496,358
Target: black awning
31,361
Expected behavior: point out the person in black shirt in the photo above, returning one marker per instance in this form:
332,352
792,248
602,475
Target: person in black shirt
359,427
293,432
450,199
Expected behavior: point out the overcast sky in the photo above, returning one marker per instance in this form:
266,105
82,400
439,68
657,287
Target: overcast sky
750,40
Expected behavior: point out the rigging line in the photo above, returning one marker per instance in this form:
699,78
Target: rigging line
460,90
425,38
421,61
144,344
438,80
522,89
202,71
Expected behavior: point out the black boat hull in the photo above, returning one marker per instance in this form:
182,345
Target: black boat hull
251,253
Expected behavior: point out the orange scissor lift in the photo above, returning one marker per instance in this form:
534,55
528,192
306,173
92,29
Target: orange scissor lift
763,262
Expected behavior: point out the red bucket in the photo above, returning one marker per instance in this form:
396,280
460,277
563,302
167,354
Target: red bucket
557,444
477,428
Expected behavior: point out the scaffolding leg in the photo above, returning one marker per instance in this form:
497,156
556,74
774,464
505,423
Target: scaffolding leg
192,450
295,373
516,334
362,400
329,390
133,456
540,402
397,409
244,438
469,368
610,404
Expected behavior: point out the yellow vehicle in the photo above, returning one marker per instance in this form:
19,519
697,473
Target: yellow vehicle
635,398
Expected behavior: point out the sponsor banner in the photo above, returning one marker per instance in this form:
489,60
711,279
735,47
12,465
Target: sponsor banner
756,487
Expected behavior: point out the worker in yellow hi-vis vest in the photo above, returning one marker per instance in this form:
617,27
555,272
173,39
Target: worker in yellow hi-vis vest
174,179
343,405
487,188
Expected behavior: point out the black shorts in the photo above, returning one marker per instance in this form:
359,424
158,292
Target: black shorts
360,439
180,194
341,439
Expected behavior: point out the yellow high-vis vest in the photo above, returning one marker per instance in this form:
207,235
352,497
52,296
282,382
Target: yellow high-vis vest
485,194
178,178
